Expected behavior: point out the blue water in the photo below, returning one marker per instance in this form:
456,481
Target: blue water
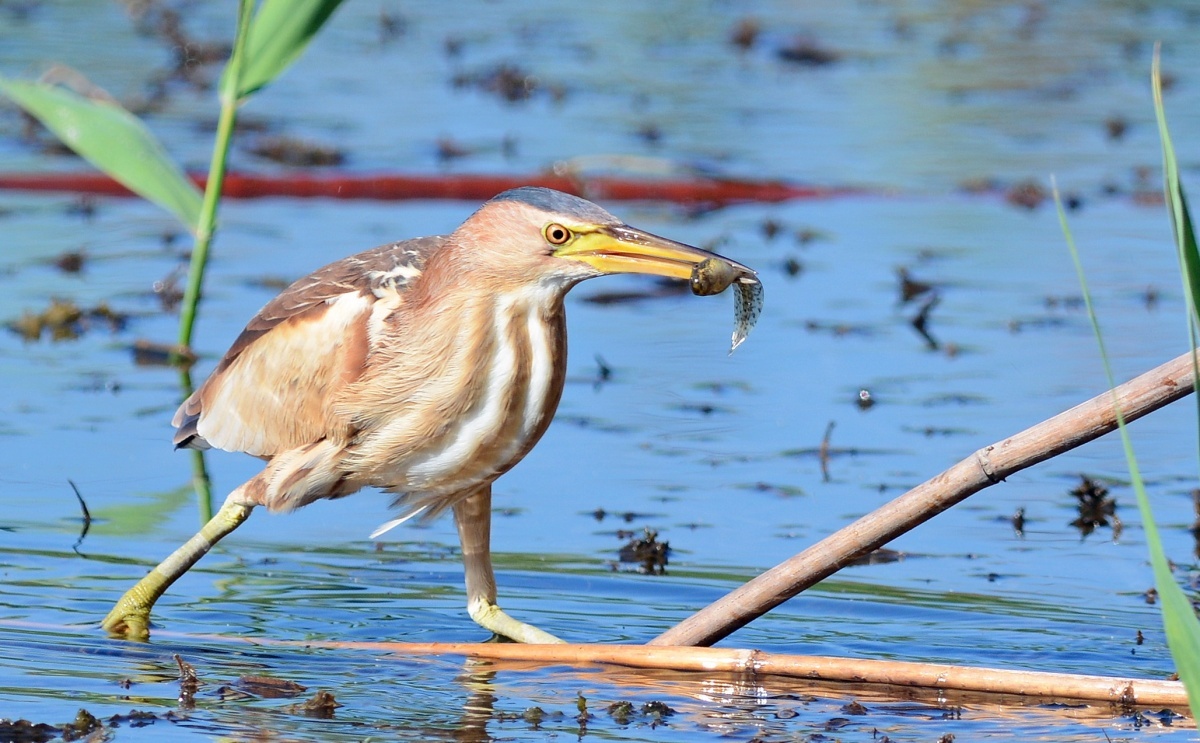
698,445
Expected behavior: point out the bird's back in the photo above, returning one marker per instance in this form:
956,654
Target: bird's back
274,388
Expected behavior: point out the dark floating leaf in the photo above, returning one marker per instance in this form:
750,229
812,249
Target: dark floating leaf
745,33
151,353
1096,508
297,152
911,288
807,52
321,706
268,687
189,683
1028,194
621,712
881,556
65,320
508,81
1018,522
71,261
649,554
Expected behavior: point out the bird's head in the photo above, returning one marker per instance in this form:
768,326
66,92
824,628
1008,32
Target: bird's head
560,238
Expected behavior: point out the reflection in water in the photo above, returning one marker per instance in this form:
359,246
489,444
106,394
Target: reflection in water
201,481
479,708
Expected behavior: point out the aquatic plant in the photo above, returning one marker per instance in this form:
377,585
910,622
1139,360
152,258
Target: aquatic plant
111,138
1179,618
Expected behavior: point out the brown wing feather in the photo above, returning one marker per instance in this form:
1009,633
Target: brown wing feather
272,390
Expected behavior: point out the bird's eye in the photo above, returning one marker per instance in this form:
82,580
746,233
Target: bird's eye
556,234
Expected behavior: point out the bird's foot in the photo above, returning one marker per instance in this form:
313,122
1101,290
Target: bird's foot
492,617
130,617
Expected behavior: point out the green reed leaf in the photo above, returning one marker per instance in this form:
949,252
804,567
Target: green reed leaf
112,139
280,32
1179,619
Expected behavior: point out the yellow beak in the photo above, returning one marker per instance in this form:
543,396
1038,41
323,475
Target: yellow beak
625,249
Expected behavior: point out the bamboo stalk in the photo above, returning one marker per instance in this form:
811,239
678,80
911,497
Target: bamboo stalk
216,176
986,467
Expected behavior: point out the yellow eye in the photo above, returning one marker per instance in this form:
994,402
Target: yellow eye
556,234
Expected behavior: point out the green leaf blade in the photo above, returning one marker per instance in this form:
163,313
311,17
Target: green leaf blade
280,32
113,140
1177,206
1180,624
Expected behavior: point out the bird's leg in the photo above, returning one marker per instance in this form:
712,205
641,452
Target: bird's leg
473,516
131,616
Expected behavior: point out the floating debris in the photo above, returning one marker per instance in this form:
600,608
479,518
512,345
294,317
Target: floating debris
448,150
651,134
268,687
649,554
1028,194
911,288
70,261
1096,508
865,400
321,706
806,52
658,709
189,682
745,33
508,81
1018,522
297,152
920,323
881,556
65,320
771,228
153,353
807,235
1115,127
621,712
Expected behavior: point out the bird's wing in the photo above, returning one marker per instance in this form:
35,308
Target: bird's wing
274,388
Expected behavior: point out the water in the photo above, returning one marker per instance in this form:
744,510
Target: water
703,447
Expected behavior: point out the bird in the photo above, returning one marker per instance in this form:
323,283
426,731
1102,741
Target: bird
426,368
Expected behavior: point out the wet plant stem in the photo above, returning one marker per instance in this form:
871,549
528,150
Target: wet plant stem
206,227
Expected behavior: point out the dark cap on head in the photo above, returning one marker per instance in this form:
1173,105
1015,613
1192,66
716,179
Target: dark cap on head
557,202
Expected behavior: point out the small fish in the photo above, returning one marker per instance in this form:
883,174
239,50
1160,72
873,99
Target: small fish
715,275
746,311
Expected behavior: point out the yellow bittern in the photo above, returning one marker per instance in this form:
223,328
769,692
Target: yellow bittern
428,368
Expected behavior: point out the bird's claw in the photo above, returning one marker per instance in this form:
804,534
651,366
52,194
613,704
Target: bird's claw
492,617
128,619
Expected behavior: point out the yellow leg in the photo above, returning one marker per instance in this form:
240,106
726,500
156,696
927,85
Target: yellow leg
131,616
473,517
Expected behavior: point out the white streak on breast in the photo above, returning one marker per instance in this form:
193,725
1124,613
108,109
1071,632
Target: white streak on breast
487,419
541,372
